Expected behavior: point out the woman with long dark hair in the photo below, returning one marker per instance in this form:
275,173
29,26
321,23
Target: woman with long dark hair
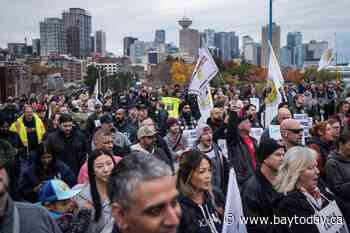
94,194
45,167
199,211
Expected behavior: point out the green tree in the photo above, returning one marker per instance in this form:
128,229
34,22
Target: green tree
92,75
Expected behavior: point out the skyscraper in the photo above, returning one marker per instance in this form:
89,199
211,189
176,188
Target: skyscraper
295,44
52,37
246,40
127,42
159,37
208,38
100,40
137,51
36,47
92,44
234,45
77,23
228,45
276,43
189,38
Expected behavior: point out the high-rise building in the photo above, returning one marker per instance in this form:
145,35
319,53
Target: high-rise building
52,37
127,42
77,23
246,40
295,44
286,57
17,49
36,47
234,45
252,53
137,51
159,37
228,45
100,41
92,44
189,38
208,38
276,43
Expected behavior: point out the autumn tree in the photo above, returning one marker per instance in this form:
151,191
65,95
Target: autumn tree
181,72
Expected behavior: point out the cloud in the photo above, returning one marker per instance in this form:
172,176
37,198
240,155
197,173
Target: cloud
317,19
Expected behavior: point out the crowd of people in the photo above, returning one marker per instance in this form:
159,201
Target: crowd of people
122,163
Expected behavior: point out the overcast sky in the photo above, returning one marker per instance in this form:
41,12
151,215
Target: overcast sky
316,19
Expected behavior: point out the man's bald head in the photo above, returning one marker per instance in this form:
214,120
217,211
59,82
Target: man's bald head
290,124
292,132
283,114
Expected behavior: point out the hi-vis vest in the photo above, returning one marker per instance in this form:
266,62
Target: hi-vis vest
19,128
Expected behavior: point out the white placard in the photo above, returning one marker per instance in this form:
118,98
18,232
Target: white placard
191,136
275,132
256,103
331,219
256,133
223,146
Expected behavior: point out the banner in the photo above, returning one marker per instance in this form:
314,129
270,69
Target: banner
205,104
172,106
326,59
233,208
256,133
204,71
256,103
275,82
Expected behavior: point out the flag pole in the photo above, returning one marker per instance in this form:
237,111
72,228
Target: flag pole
270,21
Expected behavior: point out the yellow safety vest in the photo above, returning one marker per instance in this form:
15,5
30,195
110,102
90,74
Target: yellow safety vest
19,128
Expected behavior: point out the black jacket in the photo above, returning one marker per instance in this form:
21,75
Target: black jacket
338,175
31,180
193,219
238,153
296,204
218,129
323,150
259,200
72,150
127,129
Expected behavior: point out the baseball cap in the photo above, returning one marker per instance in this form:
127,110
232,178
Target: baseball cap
146,131
106,119
56,190
141,105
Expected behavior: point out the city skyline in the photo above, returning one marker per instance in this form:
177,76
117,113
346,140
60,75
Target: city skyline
316,19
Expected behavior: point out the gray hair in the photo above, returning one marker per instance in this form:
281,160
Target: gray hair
294,163
133,169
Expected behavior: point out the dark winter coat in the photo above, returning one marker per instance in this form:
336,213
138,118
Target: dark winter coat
238,153
72,150
296,204
31,180
218,129
338,175
323,150
193,219
259,200
128,130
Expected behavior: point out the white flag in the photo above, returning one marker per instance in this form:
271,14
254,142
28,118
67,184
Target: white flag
205,103
96,89
204,71
233,208
326,59
275,82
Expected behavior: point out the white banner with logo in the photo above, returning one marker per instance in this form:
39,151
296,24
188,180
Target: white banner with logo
330,219
191,136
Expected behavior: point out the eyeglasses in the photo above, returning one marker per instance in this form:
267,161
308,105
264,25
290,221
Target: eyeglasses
296,131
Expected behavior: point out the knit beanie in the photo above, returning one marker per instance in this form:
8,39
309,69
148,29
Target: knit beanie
266,148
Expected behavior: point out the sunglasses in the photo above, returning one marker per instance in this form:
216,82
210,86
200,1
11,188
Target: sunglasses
296,131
